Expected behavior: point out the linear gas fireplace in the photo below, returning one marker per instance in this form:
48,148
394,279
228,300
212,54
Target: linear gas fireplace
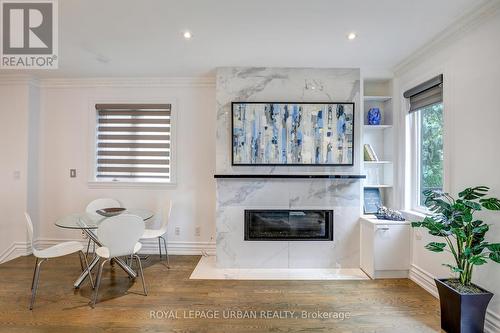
288,225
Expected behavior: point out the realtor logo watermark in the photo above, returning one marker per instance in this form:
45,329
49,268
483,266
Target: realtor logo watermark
29,34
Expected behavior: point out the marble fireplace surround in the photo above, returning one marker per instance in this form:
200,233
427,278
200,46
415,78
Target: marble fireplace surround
234,195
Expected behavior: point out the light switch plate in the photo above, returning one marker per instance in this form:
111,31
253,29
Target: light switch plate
72,173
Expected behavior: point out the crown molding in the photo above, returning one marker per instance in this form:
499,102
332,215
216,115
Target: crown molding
128,82
22,79
18,79
473,19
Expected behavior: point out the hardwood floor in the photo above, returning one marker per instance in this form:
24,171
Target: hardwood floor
373,306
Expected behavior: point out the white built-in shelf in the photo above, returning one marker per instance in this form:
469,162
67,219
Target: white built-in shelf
377,162
379,174
377,98
378,186
377,127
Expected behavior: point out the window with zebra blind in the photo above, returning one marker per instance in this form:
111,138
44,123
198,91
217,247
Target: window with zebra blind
133,142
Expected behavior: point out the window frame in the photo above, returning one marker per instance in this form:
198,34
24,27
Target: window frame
94,182
415,122
404,171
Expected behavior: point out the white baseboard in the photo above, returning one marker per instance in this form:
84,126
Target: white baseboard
425,280
149,246
492,322
16,249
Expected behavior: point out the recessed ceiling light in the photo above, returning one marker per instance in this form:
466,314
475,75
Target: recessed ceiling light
187,35
351,36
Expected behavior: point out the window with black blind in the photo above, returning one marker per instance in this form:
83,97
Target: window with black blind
427,133
133,142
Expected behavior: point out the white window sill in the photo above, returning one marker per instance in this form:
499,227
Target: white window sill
413,215
137,185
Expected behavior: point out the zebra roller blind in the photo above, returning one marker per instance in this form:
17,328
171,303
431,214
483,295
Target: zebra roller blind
133,142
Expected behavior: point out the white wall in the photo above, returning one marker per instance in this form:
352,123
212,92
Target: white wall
33,135
45,131
471,68
65,142
14,128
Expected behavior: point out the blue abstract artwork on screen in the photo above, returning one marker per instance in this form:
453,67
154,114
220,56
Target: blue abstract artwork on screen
292,133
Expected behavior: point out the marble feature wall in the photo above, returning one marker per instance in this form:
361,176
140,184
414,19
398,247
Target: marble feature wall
236,195
233,196
237,84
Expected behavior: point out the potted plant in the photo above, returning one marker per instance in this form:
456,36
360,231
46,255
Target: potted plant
463,304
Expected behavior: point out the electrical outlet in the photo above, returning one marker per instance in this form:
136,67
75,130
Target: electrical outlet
197,231
16,174
177,231
72,173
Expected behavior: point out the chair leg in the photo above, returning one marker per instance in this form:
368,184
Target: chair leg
34,271
88,247
98,282
87,267
142,274
166,250
81,262
159,246
36,278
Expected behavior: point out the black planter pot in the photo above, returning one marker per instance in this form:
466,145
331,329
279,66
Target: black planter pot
462,313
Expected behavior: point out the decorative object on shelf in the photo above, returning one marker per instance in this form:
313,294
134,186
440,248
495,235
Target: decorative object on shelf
374,116
109,212
369,153
372,200
463,304
292,133
385,213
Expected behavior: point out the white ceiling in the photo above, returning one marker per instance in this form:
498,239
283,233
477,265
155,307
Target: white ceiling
144,38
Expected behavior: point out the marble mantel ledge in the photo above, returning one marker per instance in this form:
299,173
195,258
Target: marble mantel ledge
288,176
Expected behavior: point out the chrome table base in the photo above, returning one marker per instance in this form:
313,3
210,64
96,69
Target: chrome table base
95,260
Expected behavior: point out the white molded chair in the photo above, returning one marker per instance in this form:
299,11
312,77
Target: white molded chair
158,233
100,204
55,251
119,236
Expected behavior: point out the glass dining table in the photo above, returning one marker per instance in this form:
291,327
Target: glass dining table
88,223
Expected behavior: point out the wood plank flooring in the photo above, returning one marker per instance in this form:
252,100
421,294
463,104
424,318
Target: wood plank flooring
371,306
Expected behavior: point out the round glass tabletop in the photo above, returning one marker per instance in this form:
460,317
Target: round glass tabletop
92,220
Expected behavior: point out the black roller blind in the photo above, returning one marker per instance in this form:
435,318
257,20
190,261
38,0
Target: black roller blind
425,94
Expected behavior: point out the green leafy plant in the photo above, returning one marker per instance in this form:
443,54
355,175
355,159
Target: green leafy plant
464,235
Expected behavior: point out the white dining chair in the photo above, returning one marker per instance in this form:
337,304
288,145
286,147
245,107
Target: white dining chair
97,204
158,233
119,236
55,251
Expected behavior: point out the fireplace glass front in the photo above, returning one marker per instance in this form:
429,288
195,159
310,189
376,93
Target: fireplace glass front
288,225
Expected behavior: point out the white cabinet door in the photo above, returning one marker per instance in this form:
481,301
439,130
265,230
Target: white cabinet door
391,247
